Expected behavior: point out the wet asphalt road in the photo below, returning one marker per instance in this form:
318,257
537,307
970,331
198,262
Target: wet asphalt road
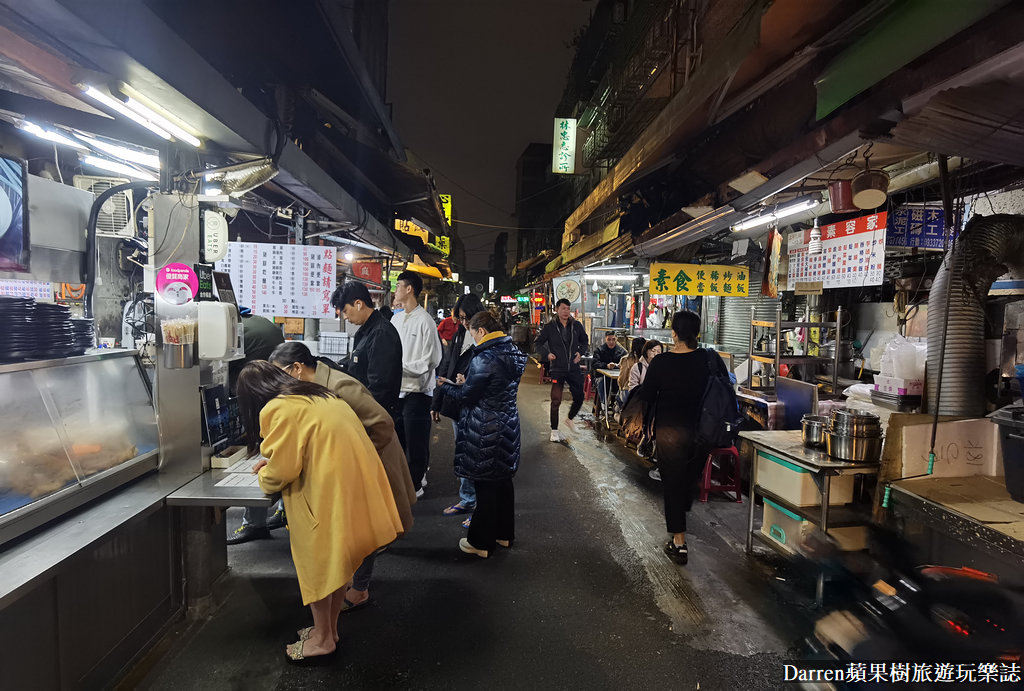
584,599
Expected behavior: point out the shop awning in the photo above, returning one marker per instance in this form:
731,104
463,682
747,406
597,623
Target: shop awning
431,271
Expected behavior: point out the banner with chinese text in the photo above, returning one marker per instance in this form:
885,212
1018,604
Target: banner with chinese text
699,279
282,280
916,226
852,254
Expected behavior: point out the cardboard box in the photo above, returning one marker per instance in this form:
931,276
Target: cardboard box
228,457
899,386
962,449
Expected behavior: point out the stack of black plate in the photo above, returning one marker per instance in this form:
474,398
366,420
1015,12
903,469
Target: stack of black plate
52,325
84,335
17,336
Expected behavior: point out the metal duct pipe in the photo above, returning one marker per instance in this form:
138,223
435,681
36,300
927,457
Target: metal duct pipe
988,247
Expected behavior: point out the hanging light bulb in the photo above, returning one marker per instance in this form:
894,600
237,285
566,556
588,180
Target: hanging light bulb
814,245
596,288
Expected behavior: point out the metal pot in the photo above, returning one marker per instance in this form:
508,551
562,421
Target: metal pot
858,449
840,196
870,188
857,423
812,430
845,350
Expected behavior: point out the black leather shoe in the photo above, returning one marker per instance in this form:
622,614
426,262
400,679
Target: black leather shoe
246,533
278,520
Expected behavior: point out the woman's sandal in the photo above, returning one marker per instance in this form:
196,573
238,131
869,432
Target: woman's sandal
465,523
677,553
456,509
294,653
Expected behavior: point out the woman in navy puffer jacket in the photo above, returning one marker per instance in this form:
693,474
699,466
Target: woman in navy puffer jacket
487,433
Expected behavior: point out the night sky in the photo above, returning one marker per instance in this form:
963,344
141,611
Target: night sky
472,82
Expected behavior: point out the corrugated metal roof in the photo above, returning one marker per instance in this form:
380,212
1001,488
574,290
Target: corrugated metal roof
983,122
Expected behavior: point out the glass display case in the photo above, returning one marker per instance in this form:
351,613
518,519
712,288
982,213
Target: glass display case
72,430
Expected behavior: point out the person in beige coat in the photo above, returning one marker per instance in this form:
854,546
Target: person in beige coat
296,359
339,503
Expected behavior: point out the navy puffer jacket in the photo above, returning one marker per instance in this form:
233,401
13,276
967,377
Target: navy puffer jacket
487,432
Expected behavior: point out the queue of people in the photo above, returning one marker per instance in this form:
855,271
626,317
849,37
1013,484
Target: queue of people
346,446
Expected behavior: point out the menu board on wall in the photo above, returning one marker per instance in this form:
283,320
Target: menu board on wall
282,280
852,254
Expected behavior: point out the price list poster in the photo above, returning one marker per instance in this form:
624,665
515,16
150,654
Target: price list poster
282,280
852,254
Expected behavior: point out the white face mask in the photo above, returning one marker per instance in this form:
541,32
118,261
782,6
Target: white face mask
476,340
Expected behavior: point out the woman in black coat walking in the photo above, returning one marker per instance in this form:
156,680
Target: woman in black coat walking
487,436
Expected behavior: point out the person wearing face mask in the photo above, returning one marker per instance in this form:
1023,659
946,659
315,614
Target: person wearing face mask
487,436
295,359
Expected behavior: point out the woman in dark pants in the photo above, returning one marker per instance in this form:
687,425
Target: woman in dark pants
674,385
487,433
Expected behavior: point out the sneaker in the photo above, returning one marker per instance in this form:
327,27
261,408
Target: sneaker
556,436
571,425
245,533
654,475
470,549
420,493
278,520
423,482
677,553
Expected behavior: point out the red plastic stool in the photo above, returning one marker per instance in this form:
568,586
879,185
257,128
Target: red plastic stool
728,478
588,389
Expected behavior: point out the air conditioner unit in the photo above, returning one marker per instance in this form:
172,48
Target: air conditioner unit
117,216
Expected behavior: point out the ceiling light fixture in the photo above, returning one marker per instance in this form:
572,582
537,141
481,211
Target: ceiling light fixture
49,135
776,214
348,256
163,122
115,105
115,167
123,152
354,243
610,277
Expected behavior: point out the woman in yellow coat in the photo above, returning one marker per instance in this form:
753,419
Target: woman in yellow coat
336,494
295,358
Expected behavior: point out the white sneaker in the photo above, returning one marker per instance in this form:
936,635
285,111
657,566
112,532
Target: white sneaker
419,493
556,436
423,482
654,475
571,425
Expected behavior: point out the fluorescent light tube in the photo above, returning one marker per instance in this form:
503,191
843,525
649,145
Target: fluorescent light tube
354,243
124,153
764,219
165,123
49,135
112,103
115,167
610,277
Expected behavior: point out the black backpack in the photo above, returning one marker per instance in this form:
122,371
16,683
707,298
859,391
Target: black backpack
720,416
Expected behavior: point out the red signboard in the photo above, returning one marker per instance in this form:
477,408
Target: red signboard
367,271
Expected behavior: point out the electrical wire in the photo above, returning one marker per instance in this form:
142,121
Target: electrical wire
489,225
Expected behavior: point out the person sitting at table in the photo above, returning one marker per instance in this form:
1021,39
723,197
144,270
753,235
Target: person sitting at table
340,507
626,366
639,373
606,356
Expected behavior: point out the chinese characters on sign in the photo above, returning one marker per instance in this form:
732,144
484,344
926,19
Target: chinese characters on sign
372,272
563,151
282,280
852,254
40,290
916,226
699,279
446,207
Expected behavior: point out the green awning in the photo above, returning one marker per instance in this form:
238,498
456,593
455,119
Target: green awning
908,31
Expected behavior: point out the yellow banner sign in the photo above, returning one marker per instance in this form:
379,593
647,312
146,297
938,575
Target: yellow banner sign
699,279
446,206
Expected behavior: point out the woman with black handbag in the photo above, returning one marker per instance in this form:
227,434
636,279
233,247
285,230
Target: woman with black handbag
673,390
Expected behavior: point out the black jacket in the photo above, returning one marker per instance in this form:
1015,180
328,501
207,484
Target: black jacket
376,361
604,356
487,432
550,340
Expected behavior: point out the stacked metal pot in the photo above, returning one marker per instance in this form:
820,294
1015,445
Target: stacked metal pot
854,435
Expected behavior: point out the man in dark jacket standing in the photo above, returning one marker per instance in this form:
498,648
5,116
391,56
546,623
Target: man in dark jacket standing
562,343
376,357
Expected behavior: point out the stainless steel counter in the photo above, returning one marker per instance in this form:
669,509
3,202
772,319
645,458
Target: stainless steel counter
203,491
789,444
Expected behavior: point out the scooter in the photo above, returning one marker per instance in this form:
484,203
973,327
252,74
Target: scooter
904,613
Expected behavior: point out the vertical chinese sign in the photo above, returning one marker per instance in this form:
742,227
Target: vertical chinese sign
852,254
282,280
563,151
699,279
446,207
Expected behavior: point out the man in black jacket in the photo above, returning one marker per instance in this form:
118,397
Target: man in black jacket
562,343
607,356
376,356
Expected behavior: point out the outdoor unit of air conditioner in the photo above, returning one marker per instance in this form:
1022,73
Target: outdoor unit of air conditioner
117,216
